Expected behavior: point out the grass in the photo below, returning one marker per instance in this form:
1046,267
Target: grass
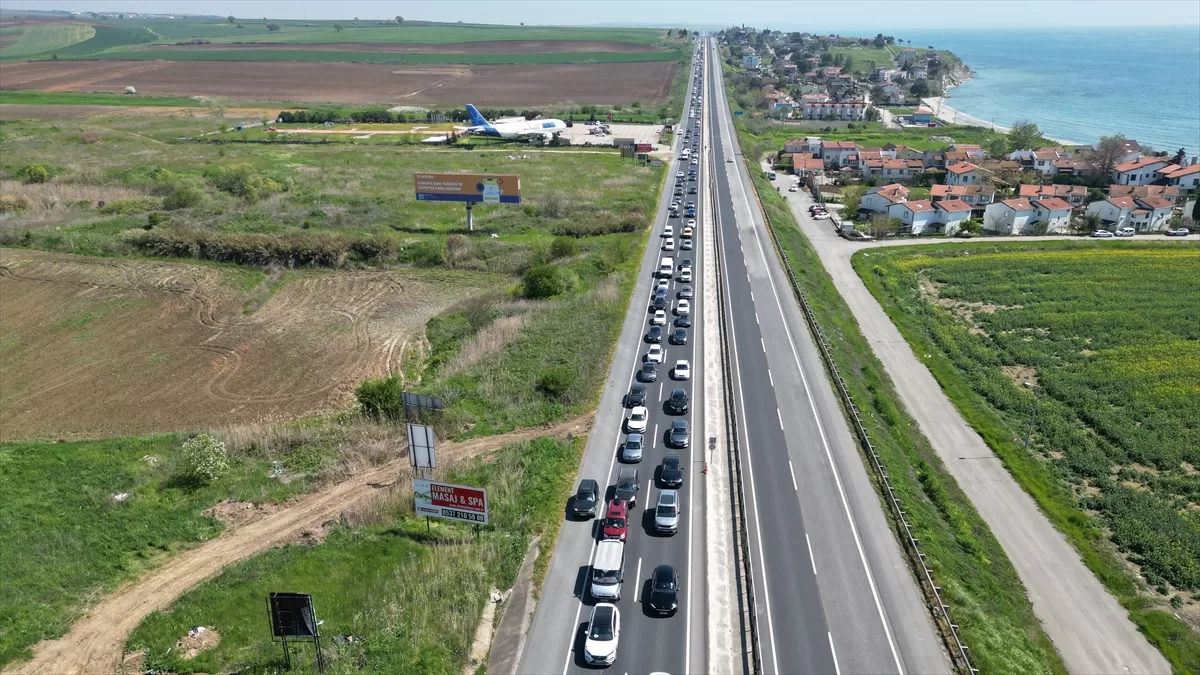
1115,366
863,58
319,56
40,38
104,39
414,597
986,597
65,540
81,98
772,135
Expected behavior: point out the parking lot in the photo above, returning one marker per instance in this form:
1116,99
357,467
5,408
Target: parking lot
580,134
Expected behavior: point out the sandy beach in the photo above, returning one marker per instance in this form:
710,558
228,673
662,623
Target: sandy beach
951,115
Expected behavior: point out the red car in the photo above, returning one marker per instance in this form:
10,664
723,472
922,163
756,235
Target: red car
616,520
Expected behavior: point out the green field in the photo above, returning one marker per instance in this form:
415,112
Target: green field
864,59
1109,339
104,39
40,38
320,56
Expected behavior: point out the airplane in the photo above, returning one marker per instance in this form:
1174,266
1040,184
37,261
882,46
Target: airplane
547,129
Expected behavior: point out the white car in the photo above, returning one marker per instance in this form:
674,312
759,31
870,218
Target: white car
820,215
660,318
603,633
684,307
686,276
668,231
687,232
691,222
682,370
663,284
792,189
668,244
636,424
655,354
695,161
679,174
1126,232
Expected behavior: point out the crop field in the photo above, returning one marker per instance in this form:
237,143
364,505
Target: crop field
323,55
165,346
1108,340
482,47
33,39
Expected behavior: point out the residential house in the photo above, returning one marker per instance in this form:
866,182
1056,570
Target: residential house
965,173
882,74
849,111
978,196
880,199
957,157
838,153
918,217
898,169
919,73
1184,178
907,55
1141,171
1054,211
974,153
831,71
808,144
905,152
1168,192
807,165
951,213
892,94
1147,214
922,116
814,97
1072,194
750,60
790,71
1130,150
1011,216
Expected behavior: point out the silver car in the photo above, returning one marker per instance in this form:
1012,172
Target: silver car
666,511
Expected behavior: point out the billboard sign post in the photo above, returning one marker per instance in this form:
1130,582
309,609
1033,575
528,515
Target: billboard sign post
469,188
463,503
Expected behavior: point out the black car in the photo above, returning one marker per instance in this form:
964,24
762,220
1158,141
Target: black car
692,190
679,336
684,320
685,264
664,590
679,436
654,334
636,395
586,499
659,302
628,486
648,373
670,474
678,403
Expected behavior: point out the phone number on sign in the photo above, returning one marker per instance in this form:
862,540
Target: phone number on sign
463,515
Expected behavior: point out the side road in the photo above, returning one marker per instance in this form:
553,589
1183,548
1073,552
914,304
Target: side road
1088,626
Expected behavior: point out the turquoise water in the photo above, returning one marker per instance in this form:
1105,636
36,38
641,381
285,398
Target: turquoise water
1080,84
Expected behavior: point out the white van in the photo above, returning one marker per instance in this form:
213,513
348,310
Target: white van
608,569
687,154
666,266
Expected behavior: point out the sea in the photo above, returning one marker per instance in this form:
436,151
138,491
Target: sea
1079,84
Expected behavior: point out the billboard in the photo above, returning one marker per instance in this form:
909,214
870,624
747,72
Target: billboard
463,503
644,147
624,142
468,187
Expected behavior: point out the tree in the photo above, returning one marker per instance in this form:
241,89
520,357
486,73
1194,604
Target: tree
1024,135
1196,213
230,19
881,226
996,146
556,382
399,19
919,89
274,27
1108,151
1180,156
879,41
683,32
669,31
204,460
337,27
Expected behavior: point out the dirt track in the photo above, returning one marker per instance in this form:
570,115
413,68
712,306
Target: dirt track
484,47
356,83
95,644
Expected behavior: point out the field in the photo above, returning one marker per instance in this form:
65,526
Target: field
358,83
864,59
30,39
1104,342
318,53
82,326
481,47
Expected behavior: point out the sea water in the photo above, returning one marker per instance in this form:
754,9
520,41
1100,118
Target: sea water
1079,84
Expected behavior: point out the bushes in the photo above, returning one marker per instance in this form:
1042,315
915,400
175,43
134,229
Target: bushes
33,173
563,247
182,196
381,399
126,207
545,281
556,382
289,249
14,203
241,180
204,460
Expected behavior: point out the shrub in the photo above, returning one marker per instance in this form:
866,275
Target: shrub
381,399
204,460
182,196
427,253
33,173
545,281
154,219
556,382
375,248
241,180
125,207
14,203
563,247
289,249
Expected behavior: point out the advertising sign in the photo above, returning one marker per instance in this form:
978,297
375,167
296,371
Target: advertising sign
644,147
656,163
624,142
453,502
468,187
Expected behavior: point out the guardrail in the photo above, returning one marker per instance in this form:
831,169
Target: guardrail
959,652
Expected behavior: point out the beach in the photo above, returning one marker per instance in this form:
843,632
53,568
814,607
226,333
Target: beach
951,115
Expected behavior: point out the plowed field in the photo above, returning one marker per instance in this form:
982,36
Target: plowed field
357,83
92,347
483,47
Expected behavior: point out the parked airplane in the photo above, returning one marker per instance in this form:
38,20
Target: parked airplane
516,129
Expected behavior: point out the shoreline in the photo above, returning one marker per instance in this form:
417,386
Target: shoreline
951,115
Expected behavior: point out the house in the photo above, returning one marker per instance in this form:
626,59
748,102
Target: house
837,153
1147,214
892,94
922,116
919,73
973,152
965,173
790,70
880,199
898,169
1141,171
978,196
807,165
1072,194
951,213
918,217
1168,192
1011,216
1054,211
852,111
749,59
1184,178
1130,150
906,153
814,97
956,157
808,144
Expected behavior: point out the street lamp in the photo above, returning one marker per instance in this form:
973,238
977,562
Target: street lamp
1033,418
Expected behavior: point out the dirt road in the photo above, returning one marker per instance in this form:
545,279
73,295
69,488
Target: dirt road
95,643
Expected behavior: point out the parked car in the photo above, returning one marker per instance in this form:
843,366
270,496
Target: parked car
603,635
679,436
628,486
586,499
1101,234
682,370
820,215
1174,232
678,403
666,511
616,521
636,395
792,189
638,417
1125,232
670,473
631,449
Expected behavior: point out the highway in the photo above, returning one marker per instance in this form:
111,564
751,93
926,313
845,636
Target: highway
647,643
834,591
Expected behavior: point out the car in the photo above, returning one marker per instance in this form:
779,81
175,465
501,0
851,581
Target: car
690,204
1125,232
628,486
616,521
679,336
690,223
820,215
815,207
678,403
687,232
636,423
691,190
603,635
729,160
655,334
686,276
664,590
685,264
690,213
658,302
792,189
662,285
685,245
692,177
648,373
666,511
660,318
695,161
683,307
1101,234
679,174
682,370
683,320
586,499
631,449
679,436
668,231
1178,232
668,244
654,354
636,395
685,292
670,472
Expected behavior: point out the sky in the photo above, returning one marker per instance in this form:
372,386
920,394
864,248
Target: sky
863,16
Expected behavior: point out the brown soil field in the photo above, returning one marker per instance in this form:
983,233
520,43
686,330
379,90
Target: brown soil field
94,347
486,47
357,83
51,111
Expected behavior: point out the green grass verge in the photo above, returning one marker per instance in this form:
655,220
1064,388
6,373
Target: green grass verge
415,598
320,56
65,540
40,38
1078,422
987,599
81,98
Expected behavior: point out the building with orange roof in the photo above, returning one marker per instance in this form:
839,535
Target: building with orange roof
1143,214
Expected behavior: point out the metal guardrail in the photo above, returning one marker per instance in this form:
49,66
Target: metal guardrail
959,652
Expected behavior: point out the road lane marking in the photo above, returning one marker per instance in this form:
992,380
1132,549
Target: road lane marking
763,343
656,435
660,390
771,378
811,557
756,318
637,591
833,652
793,472
780,416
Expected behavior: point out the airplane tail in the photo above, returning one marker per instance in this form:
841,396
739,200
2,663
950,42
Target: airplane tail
476,119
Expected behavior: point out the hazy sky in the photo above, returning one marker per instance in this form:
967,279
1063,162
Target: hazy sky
864,16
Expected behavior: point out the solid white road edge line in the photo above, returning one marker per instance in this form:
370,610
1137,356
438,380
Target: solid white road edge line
832,651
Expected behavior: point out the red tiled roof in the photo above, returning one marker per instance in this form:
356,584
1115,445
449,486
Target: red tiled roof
1169,191
893,192
1051,190
919,206
1018,204
806,163
953,205
965,167
1182,171
895,164
1154,202
957,155
1122,203
1139,163
1053,204
922,111
840,145
965,147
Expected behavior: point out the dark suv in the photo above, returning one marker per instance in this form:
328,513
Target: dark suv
586,499
628,486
